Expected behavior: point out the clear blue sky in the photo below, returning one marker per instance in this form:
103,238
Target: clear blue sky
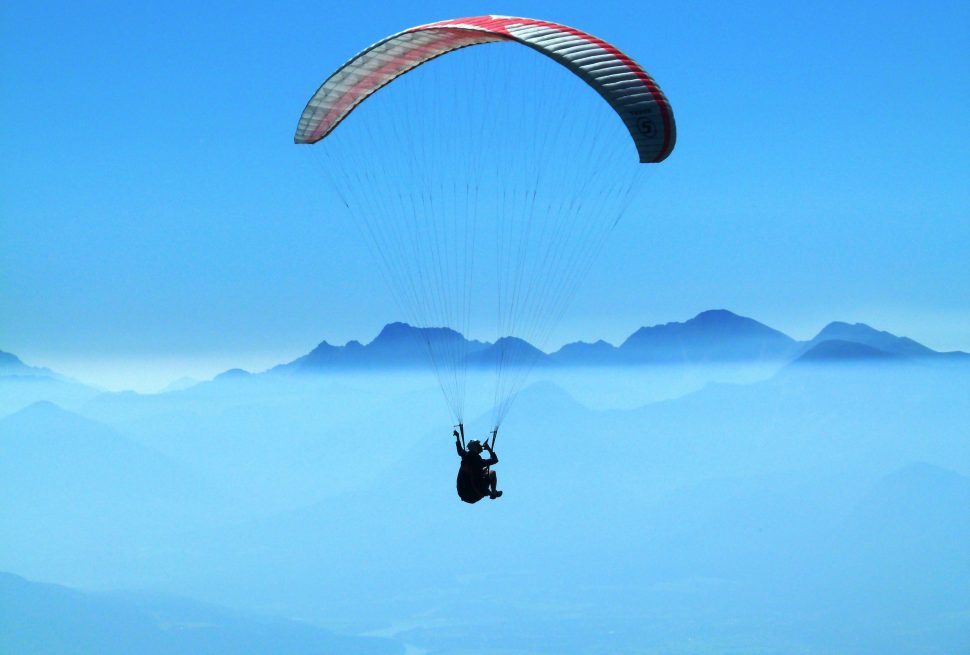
152,204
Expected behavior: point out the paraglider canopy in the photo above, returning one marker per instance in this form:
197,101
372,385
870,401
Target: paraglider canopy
618,79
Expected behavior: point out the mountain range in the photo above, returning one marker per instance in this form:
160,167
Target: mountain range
713,336
716,336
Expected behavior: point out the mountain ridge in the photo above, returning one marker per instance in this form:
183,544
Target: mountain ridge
712,336
11,365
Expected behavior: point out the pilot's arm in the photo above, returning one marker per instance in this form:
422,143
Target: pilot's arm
493,458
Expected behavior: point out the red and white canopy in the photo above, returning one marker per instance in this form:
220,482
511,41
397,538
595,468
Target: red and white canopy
632,93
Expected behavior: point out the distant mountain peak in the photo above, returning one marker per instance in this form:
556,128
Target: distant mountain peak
397,332
512,341
508,349
837,350
233,374
397,345
869,336
713,335
721,321
724,319
858,329
717,316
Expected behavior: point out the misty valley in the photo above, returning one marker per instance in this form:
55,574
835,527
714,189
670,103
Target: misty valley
723,489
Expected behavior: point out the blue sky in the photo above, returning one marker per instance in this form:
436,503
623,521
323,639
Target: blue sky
154,209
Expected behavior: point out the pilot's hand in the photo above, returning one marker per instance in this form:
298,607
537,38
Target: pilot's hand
455,432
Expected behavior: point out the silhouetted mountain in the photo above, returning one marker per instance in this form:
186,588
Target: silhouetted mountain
10,364
508,351
884,341
836,350
46,619
399,345
712,336
233,374
581,353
